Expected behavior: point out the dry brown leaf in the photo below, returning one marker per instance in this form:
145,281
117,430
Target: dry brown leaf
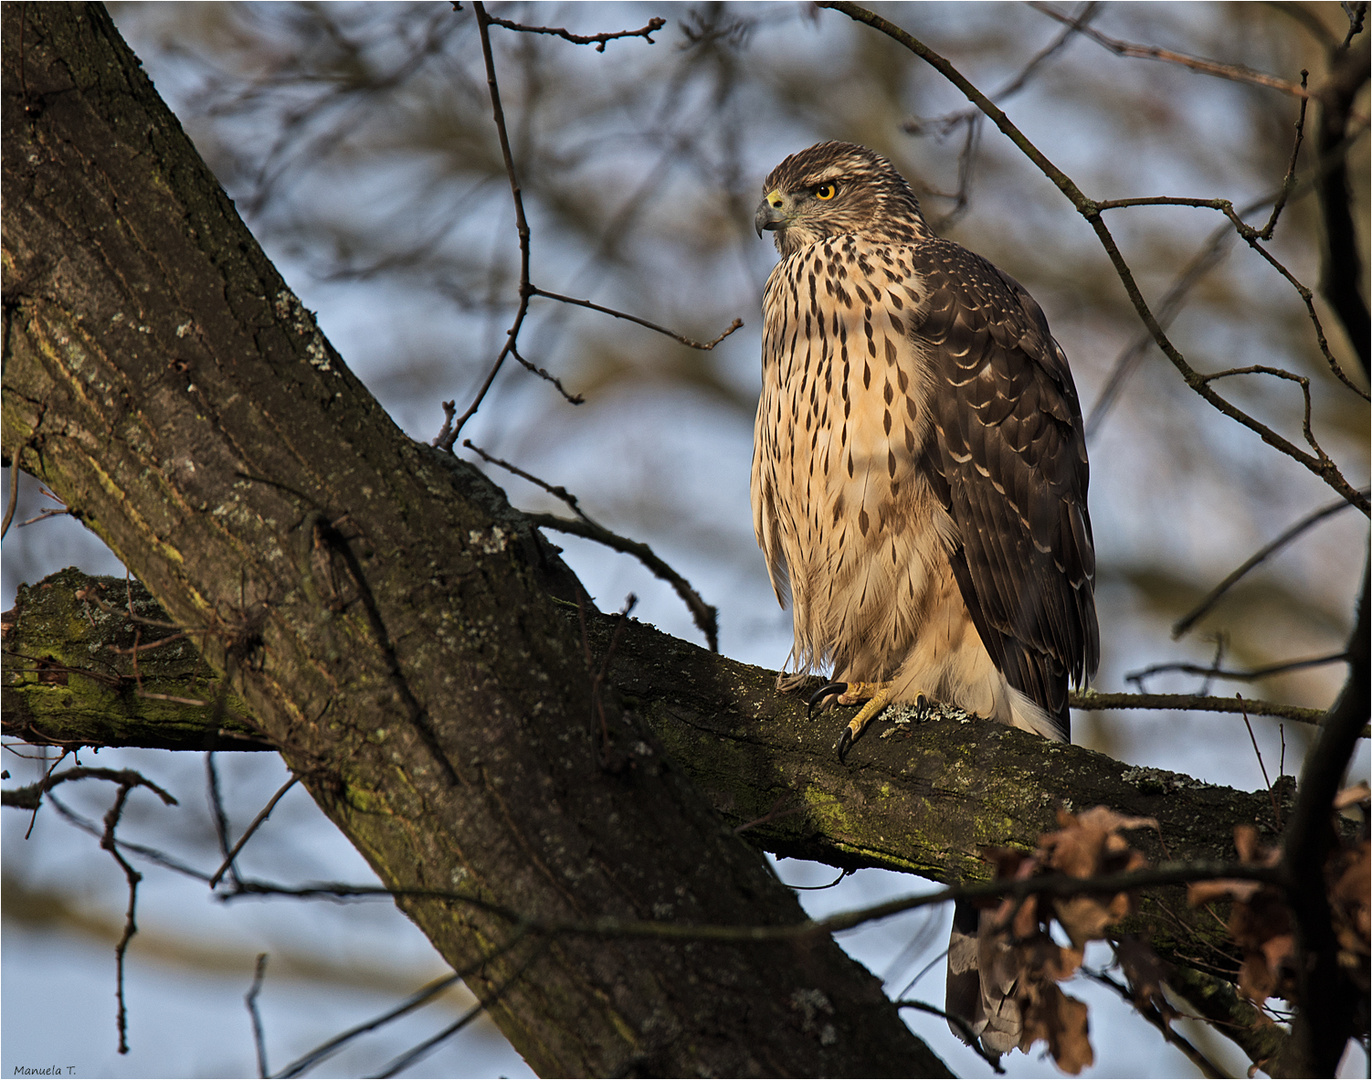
1022,950
1061,1022
1084,918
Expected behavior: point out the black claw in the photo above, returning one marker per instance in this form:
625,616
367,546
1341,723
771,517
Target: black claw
845,742
832,689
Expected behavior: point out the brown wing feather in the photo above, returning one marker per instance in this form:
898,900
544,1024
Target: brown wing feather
1009,463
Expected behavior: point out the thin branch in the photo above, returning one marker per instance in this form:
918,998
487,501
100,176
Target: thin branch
43,515
1233,72
1182,625
706,616
250,1000
1088,700
1271,792
1288,184
1152,1014
31,795
410,1057
133,877
247,835
327,1049
557,491
547,376
1206,257
691,342
218,814
1057,886
405,1060
1251,236
527,291
1169,306
968,1035
971,118
151,854
128,781
1214,671
521,223
598,40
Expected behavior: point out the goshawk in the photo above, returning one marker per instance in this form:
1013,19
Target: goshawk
919,479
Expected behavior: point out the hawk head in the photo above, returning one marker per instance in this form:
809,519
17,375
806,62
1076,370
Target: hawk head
835,188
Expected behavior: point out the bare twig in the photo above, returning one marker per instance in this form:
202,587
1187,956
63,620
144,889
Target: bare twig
1205,258
1251,236
691,342
1094,700
971,118
250,1000
547,376
1050,885
1182,625
149,853
1288,184
706,616
326,1050
527,290
1214,671
968,1035
31,795
557,491
408,1058
133,877
43,515
217,812
598,40
1234,72
262,816
521,224
1151,1013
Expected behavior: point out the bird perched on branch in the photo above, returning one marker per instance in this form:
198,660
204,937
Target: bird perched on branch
919,480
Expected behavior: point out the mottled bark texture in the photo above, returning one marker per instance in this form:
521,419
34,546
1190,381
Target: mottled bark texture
381,625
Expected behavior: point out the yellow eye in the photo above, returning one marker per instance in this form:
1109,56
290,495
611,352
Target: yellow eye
825,192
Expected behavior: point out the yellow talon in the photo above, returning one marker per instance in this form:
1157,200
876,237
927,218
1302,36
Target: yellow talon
878,696
864,691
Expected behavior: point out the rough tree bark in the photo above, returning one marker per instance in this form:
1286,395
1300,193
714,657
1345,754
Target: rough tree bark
388,634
